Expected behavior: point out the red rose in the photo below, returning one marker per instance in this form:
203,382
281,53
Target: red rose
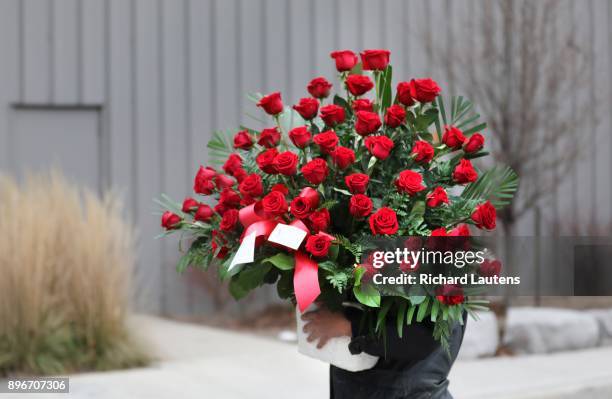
318,244
319,220
281,188
203,183
271,103
233,163
437,197
484,216
229,219
345,60
359,85
300,136
362,104
170,220
450,294
424,90
274,204
474,143
379,146
269,137
439,232
343,157
367,122
327,141
490,268
229,198
464,172
305,203
246,200
240,174
357,183
395,116
384,221
307,108
315,171
219,240
265,161
204,213
319,87
286,163
332,114
251,186
460,231
243,140
423,151
222,181
403,94
189,204
375,60
453,137
409,182
360,205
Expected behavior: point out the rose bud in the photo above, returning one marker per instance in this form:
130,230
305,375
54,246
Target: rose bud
265,161
362,104
319,87
274,204
474,143
424,90
360,205
281,188
484,216
300,136
332,114
395,116
490,268
403,94
318,244
319,220
243,140
367,122
251,186
170,221
384,221
345,60
460,231
307,108
315,171
204,213
240,174
229,220
375,60
453,137
189,205
450,294
327,141
286,163
379,146
222,181
271,103
343,157
203,183
269,137
437,197
357,183
409,182
359,85
439,232
464,172
233,163
423,151
229,198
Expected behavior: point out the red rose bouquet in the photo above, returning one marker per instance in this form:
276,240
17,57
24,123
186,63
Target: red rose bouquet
295,203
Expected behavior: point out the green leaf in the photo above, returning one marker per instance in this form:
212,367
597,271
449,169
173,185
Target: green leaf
386,88
282,261
497,185
401,314
435,307
417,299
410,314
342,191
367,295
382,313
248,279
422,312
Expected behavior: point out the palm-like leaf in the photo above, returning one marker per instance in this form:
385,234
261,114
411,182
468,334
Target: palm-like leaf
497,185
462,115
220,147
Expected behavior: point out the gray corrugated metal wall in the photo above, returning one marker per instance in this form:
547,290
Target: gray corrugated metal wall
161,74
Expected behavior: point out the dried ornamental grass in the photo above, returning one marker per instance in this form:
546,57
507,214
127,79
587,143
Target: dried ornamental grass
66,258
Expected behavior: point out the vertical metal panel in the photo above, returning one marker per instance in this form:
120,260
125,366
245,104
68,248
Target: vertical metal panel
36,31
348,25
66,77
276,45
9,71
324,27
91,53
253,60
299,50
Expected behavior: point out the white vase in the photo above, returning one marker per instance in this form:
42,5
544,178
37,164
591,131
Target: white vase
335,352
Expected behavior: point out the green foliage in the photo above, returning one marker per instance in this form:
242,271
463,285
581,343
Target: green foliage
249,278
282,261
497,185
462,116
199,254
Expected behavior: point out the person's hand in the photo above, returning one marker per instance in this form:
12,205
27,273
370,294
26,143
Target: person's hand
323,325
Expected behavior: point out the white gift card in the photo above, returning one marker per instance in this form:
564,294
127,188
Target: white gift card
288,236
245,252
